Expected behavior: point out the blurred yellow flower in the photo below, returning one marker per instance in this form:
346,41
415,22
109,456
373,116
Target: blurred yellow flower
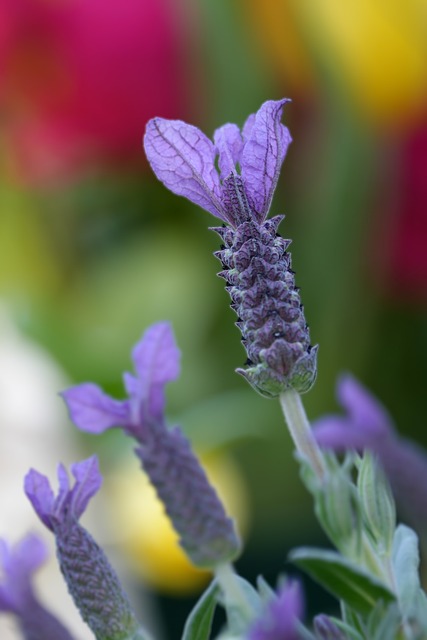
145,534
375,51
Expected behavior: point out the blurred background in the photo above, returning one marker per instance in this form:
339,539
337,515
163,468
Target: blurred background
93,249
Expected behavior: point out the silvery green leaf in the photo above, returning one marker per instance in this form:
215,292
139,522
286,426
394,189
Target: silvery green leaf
377,502
199,622
236,618
384,622
406,560
265,591
420,613
344,579
303,632
350,632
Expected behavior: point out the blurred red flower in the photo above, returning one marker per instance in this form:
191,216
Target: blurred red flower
79,79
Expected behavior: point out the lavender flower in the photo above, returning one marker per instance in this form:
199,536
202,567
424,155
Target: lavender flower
278,620
206,533
16,592
91,580
256,266
367,425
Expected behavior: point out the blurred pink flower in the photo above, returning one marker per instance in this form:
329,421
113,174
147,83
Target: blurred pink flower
80,78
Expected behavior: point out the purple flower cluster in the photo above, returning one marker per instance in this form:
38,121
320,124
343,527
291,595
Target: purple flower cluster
256,266
207,534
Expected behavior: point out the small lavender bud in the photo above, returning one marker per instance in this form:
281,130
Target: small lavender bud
261,284
94,585
377,502
206,533
326,629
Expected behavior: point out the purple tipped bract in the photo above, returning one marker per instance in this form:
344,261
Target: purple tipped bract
156,360
70,503
183,158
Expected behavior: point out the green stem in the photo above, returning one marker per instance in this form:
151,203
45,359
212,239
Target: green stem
301,433
232,591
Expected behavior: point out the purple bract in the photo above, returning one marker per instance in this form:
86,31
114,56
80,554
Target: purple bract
183,158
278,620
156,361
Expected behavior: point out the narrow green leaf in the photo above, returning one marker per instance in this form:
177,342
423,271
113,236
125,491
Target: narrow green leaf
357,588
264,589
406,560
199,622
237,618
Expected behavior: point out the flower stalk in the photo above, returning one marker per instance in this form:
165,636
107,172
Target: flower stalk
301,433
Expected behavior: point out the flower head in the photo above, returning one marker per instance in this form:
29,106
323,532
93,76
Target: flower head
278,620
367,425
156,360
91,580
18,565
249,162
207,534
257,267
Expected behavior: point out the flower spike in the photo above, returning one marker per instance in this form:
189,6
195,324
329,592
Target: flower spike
256,265
91,580
206,533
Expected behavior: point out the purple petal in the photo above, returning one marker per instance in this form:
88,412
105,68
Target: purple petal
157,361
339,434
88,483
94,411
247,127
19,563
363,408
30,553
263,155
183,158
278,620
229,144
156,356
40,494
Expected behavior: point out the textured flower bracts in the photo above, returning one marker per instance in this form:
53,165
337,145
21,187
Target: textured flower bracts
256,266
261,285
